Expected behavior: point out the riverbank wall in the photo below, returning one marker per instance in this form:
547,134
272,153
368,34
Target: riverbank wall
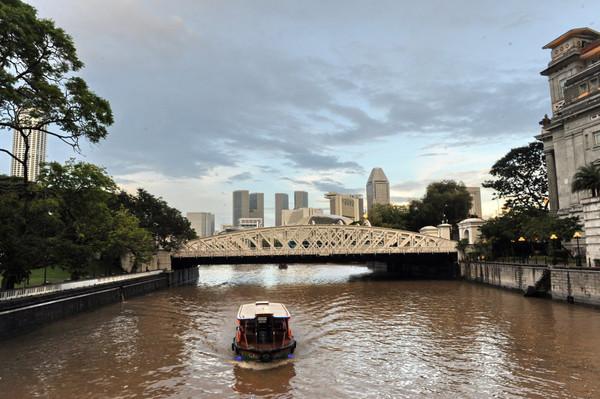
26,312
568,284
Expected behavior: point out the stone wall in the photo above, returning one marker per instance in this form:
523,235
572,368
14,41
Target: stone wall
523,278
580,285
574,285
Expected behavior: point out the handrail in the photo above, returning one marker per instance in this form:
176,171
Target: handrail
45,289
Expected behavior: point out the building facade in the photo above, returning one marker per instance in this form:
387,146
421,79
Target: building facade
378,189
475,201
250,223
347,205
281,202
571,137
298,216
241,206
257,205
37,154
202,222
300,199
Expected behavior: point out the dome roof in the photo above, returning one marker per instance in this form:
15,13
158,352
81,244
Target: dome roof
471,220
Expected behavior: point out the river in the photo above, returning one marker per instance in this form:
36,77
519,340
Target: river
358,336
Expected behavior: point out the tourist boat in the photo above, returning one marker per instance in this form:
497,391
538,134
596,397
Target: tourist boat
263,332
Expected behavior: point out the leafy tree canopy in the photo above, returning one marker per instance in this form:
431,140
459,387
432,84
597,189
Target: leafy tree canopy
520,178
390,216
168,227
445,201
38,88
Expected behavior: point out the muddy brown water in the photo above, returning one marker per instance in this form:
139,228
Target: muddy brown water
357,337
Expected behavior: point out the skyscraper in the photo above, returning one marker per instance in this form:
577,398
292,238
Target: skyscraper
257,205
300,199
202,222
281,202
241,205
378,188
37,154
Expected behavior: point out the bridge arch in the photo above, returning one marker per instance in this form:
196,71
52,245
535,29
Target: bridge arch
314,240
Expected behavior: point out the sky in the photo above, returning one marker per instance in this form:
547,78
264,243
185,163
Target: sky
211,96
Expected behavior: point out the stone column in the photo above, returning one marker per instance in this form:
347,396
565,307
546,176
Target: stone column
591,223
444,230
552,186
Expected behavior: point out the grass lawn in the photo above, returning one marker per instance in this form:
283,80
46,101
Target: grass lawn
53,275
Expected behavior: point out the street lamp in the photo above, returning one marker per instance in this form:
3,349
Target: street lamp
577,236
553,238
521,240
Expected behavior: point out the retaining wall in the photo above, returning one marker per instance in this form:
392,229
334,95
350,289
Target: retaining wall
574,285
23,314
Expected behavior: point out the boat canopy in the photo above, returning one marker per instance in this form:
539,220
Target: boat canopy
262,308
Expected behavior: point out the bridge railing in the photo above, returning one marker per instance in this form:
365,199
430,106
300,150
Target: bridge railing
312,251
45,289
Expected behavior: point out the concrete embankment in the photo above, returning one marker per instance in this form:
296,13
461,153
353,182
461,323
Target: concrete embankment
574,285
23,313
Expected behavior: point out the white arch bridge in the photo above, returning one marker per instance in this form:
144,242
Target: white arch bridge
306,242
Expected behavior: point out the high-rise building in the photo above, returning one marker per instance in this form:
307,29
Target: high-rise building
378,189
241,206
300,199
202,222
281,203
475,201
37,154
257,205
347,205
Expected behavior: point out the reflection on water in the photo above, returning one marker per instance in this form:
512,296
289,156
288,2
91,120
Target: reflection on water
357,337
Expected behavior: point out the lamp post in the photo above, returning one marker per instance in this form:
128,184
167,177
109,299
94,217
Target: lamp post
521,241
577,236
553,238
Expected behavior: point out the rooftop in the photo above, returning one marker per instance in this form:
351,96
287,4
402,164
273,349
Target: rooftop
251,310
576,32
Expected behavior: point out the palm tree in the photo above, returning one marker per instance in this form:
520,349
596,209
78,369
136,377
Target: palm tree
587,177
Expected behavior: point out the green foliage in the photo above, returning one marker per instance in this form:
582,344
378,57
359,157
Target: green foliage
390,216
587,178
167,226
67,220
444,201
38,90
520,178
535,225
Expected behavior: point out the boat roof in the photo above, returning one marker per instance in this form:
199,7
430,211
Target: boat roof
251,310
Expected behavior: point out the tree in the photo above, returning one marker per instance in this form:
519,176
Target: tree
167,226
390,216
587,178
93,231
534,225
520,178
38,91
444,201
25,234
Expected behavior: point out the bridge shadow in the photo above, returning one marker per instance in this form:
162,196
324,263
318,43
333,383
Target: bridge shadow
385,266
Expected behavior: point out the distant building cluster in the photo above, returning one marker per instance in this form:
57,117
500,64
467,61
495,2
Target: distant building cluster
248,208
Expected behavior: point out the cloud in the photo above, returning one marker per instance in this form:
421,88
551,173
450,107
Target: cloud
244,176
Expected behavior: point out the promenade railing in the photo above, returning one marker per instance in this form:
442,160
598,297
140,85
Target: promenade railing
49,288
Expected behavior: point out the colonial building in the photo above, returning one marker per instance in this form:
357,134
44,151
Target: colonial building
571,136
